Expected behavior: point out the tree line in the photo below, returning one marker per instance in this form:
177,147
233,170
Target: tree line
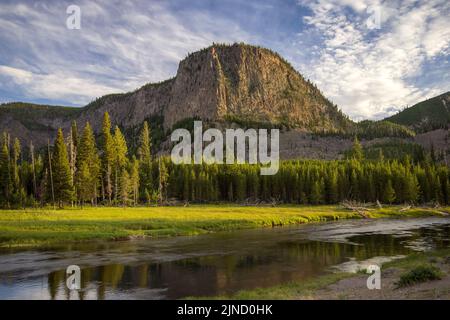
78,170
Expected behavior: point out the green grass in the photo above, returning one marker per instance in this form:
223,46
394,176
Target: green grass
419,274
45,226
417,259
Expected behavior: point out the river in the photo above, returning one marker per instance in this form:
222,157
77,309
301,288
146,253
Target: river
214,264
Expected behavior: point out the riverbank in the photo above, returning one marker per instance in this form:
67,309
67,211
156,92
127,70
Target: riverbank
35,227
352,286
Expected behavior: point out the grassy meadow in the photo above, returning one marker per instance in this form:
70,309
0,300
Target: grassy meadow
29,227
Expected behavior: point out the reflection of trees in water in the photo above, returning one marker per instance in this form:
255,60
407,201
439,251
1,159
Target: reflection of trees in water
110,275
208,275
55,280
57,284
140,274
378,245
86,278
286,261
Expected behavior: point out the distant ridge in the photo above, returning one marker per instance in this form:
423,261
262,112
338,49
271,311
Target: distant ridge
427,115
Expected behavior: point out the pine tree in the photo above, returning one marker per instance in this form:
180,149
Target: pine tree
15,164
19,194
145,160
107,158
89,162
316,196
5,172
389,193
438,196
72,146
83,187
162,180
48,183
332,187
62,177
134,179
357,151
120,158
354,185
411,188
298,181
124,187
33,168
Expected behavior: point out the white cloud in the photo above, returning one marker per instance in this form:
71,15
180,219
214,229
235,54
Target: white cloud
121,46
53,86
368,72
18,75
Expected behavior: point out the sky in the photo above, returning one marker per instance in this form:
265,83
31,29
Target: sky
370,57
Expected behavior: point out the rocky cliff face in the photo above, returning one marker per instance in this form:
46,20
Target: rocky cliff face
248,83
220,83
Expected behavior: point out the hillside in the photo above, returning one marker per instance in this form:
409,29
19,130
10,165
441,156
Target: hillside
34,122
427,115
221,83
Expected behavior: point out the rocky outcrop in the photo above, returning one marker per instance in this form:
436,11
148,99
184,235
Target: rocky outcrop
220,83
249,83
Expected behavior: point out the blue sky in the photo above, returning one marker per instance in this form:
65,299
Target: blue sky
369,72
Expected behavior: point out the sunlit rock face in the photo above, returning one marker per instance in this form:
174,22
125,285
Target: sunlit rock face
250,84
238,83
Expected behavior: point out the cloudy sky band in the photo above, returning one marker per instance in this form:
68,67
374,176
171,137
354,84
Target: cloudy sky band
369,73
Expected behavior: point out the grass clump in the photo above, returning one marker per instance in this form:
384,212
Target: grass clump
422,273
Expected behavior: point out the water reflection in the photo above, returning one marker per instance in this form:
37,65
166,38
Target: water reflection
267,259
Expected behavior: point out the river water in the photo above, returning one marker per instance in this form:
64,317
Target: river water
214,264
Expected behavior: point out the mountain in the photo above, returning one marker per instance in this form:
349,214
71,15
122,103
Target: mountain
34,122
220,85
238,83
427,115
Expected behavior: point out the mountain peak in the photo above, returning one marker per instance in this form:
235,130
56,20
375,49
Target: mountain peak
248,82
236,82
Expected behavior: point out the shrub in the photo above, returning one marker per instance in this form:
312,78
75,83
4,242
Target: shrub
419,274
